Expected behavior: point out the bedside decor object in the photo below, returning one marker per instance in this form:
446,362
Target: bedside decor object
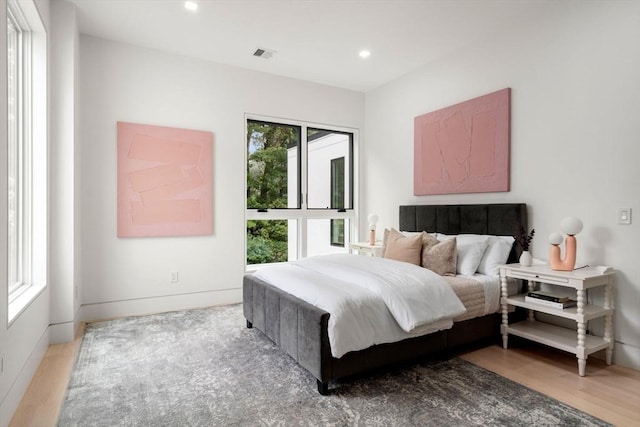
526,260
571,226
373,220
524,240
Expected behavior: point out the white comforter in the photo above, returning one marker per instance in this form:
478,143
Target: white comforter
371,300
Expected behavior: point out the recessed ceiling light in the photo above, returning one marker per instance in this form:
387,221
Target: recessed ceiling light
191,5
364,53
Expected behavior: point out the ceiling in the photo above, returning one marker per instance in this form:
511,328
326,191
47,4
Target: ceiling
314,40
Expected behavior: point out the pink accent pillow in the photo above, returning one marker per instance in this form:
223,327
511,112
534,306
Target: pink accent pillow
402,248
439,256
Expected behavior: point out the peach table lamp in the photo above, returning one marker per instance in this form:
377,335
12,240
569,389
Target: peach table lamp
373,220
571,226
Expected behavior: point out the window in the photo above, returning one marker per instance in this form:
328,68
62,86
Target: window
323,147
15,208
337,183
337,200
273,165
26,154
299,190
337,232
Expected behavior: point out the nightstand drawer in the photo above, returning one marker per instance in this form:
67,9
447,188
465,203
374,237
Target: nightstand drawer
538,277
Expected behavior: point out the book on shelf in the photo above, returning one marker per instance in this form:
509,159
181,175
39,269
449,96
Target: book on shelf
541,301
548,296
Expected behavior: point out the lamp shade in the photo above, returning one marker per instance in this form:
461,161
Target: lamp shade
373,220
555,238
571,225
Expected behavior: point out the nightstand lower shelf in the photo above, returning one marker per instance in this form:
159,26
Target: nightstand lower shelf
556,336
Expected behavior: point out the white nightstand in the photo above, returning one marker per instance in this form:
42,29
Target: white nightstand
365,248
579,342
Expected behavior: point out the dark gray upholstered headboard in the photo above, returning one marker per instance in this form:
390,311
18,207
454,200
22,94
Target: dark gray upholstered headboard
498,219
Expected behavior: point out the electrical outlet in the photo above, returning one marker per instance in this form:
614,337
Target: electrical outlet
175,278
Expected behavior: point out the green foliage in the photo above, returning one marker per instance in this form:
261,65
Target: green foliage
267,146
267,241
267,179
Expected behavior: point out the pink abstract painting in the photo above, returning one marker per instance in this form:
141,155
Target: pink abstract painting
463,148
164,181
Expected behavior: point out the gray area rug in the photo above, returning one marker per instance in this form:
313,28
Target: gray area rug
205,368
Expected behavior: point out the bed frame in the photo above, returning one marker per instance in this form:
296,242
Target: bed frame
300,329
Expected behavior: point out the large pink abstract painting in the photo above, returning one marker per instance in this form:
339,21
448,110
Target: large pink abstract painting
164,181
463,148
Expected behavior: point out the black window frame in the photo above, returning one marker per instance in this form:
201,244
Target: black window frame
318,133
298,146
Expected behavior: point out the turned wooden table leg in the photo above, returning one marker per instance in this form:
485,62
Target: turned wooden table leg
608,324
582,365
531,286
582,332
505,312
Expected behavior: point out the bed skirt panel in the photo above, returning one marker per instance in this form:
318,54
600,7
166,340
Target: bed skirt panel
382,355
474,331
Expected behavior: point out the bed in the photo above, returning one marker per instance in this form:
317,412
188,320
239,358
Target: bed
300,329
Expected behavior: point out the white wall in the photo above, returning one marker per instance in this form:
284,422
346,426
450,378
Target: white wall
65,258
24,341
124,276
574,136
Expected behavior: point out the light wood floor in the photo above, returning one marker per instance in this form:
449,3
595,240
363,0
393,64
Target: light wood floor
40,405
611,393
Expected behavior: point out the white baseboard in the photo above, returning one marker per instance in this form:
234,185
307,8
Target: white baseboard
20,385
62,332
142,306
626,355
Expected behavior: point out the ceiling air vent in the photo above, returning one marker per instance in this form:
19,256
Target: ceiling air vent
264,53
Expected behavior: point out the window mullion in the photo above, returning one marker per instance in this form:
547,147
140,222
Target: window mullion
303,223
304,178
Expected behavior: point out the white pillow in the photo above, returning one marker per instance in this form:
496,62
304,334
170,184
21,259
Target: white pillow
496,254
413,233
471,248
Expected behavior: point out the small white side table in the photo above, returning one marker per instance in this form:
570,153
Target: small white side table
365,248
578,341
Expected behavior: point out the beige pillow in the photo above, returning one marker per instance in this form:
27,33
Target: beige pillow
403,248
439,256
